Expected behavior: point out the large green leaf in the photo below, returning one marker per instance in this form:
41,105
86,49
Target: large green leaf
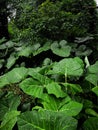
13,76
45,120
61,49
36,87
9,120
32,87
91,124
68,67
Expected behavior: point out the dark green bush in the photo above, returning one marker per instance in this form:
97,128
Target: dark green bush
56,20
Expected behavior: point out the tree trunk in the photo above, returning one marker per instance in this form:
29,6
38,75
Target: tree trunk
3,21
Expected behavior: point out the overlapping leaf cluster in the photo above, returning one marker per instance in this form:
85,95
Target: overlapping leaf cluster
48,80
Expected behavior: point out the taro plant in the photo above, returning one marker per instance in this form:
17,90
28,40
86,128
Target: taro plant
49,70
43,96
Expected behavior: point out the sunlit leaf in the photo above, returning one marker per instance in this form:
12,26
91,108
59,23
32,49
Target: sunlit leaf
65,106
95,90
71,109
55,88
67,67
33,90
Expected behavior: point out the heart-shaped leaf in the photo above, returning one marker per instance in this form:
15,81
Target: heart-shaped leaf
61,49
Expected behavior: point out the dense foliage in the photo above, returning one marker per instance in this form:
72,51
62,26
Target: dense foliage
49,65
55,20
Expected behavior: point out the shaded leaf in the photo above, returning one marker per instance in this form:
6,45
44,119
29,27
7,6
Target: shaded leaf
11,61
92,78
45,47
72,88
9,120
10,44
93,68
25,51
83,51
91,112
92,75
61,49
83,39
91,124
8,103
1,63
